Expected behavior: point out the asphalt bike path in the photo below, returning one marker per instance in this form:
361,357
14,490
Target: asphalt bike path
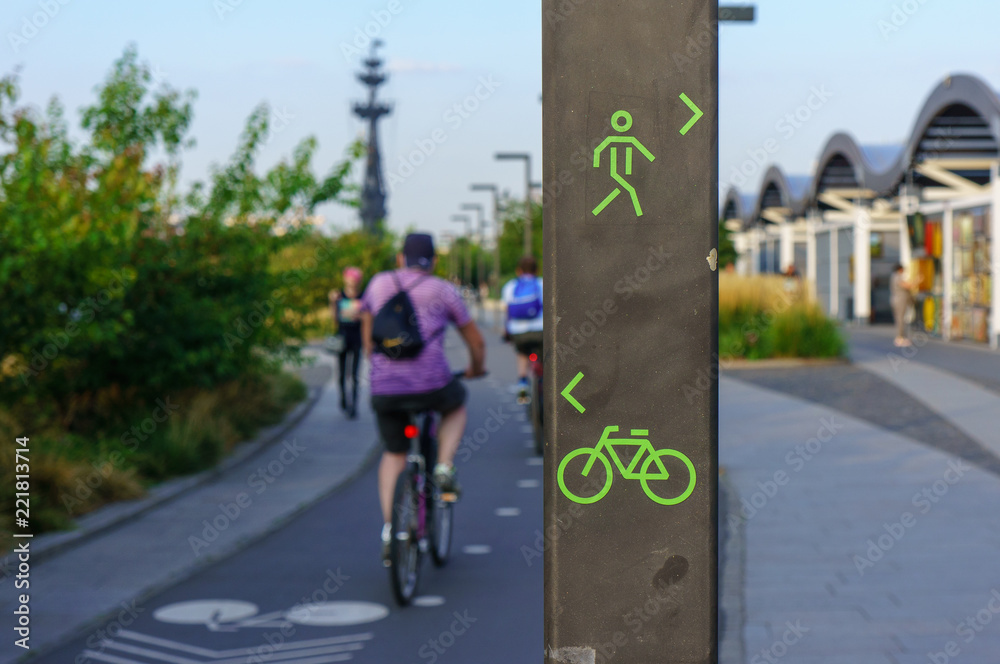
315,590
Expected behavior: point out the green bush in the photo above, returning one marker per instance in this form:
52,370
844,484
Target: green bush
760,317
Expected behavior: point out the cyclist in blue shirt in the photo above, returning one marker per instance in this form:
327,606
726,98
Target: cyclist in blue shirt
523,299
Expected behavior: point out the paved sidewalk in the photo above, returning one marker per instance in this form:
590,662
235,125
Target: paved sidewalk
948,380
77,586
974,362
866,548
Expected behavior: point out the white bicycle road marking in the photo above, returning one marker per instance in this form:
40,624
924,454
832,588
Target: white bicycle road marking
223,615
337,614
201,612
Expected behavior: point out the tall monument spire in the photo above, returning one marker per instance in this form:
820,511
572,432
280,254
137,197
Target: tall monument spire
372,193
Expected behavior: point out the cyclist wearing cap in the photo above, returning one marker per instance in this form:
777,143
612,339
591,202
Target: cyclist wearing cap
400,387
523,299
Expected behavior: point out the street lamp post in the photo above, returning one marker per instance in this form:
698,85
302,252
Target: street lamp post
481,234
495,272
492,188
448,239
465,262
503,156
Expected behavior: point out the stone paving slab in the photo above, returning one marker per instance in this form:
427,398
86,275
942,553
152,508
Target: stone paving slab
968,405
802,538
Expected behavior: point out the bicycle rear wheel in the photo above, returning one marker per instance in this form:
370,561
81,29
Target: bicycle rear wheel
441,525
404,549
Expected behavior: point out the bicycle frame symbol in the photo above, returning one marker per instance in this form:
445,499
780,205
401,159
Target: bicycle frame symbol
605,448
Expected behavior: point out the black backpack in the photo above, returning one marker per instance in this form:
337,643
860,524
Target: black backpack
394,328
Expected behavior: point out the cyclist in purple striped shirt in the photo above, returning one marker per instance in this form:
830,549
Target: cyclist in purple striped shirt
403,386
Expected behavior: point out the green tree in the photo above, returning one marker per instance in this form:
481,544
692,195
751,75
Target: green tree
727,250
512,236
115,284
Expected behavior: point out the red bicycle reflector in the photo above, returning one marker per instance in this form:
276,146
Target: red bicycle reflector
410,431
533,357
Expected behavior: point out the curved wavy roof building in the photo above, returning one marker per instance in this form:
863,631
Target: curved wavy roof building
927,204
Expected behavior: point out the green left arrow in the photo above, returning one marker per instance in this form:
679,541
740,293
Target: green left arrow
697,113
569,388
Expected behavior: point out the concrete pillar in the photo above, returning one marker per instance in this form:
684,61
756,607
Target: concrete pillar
995,257
811,256
755,236
835,272
947,270
742,245
787,245
905,251
862,266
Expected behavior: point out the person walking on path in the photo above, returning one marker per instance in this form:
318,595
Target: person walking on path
901,299
346,305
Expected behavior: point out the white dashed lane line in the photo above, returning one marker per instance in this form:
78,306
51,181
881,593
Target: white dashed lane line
508,511
528,484
428,600
477,549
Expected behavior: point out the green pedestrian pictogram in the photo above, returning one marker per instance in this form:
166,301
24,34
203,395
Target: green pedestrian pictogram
597,489
621,121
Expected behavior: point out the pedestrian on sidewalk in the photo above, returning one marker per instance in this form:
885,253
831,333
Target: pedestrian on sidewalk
346,304
901,300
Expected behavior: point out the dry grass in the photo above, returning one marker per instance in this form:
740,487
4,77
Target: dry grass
73,473
764,292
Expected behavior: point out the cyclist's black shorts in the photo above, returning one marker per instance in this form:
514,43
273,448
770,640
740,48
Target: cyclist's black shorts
393,411
527,343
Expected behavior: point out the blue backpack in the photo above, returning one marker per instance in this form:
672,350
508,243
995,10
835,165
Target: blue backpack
526,304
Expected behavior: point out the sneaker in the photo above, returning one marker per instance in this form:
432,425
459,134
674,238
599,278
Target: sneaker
522,391
444,478
386,542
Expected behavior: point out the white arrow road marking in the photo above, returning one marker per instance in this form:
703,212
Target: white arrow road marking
112,659
221,654
300,655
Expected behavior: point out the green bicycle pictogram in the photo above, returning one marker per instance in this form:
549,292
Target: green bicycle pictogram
624,125
604,449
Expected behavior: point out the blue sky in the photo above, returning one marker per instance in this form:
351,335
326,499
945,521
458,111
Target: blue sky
290,55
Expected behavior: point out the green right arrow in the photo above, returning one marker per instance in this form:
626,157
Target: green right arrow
697,114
